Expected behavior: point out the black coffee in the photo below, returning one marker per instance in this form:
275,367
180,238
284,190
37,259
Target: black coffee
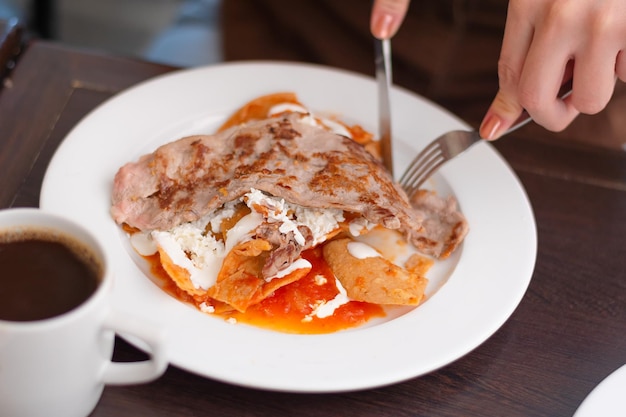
43,275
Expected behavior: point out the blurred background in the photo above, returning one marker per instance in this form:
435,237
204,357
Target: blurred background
177,32
447,50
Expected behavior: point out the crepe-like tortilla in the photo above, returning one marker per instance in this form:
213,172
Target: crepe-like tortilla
299,168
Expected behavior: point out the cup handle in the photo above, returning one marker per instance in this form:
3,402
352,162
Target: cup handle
119,373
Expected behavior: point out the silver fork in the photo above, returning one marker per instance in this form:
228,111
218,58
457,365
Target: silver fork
446,147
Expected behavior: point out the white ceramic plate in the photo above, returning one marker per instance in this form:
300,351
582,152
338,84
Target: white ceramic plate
471,295
608,399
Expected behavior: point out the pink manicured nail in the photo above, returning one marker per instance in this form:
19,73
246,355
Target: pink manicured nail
490,126
383,26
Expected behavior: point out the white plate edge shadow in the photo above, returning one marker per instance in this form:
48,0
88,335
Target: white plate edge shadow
362,358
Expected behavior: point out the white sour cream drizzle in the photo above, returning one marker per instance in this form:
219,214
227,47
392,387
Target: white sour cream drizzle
299,263
362,250
327,308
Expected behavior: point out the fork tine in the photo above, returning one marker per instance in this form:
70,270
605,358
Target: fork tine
428,152
424,166
426,171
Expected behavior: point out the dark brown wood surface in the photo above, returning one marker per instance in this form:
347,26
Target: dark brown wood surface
567,334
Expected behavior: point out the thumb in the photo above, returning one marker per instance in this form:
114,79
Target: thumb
502,113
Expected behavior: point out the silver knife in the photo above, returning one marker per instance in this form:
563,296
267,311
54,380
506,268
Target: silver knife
383,78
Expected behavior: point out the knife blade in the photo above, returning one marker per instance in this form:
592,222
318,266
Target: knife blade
384,80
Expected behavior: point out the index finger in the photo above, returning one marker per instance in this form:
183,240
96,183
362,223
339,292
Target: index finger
506,106
518,36
387,16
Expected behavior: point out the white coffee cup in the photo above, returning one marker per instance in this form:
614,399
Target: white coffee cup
58,366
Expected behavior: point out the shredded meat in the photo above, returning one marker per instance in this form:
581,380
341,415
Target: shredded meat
287,249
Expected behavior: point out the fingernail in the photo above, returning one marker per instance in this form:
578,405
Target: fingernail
490,127
383,26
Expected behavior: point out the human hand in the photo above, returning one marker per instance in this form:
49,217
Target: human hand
387,16
548,41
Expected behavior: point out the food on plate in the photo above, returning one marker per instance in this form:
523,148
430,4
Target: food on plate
369,277
278,200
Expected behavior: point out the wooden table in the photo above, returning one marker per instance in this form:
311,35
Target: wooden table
567,334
